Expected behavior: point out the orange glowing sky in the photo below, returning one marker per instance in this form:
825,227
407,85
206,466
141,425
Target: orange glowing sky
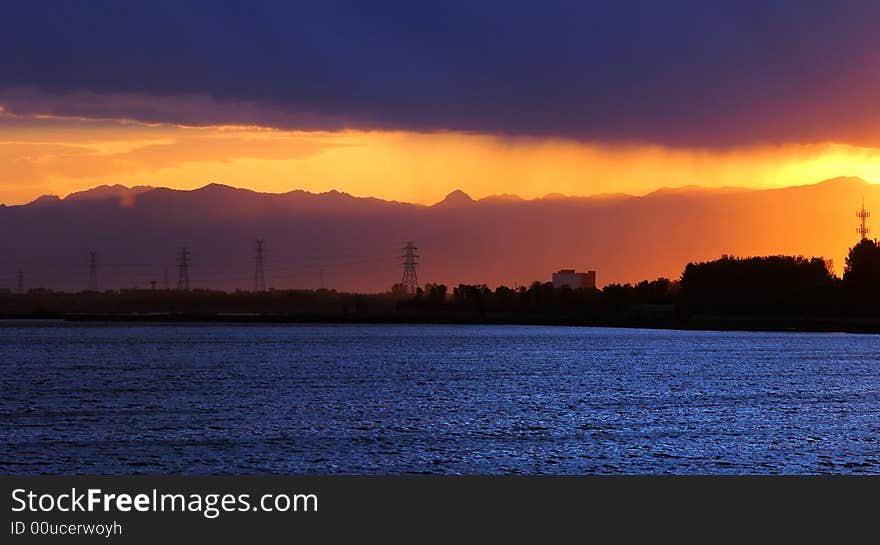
410,101
57,155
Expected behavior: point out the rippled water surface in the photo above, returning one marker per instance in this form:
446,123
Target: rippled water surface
96,398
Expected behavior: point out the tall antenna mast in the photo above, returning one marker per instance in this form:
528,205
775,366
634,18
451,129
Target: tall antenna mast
863,215
183,276
410,279
259,276
93,270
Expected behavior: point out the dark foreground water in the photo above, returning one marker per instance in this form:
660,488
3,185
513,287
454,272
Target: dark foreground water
435,399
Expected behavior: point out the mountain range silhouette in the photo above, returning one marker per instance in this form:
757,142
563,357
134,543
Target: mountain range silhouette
503,239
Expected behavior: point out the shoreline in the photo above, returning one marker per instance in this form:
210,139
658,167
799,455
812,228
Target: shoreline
793,324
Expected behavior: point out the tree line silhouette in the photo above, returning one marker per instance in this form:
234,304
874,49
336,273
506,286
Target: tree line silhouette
728,286
784,285
768,285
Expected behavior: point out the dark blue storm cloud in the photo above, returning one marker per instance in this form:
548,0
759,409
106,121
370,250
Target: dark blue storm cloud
709,73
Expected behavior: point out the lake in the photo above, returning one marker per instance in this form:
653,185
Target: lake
317,399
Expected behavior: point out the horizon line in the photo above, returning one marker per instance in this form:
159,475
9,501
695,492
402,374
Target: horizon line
498,196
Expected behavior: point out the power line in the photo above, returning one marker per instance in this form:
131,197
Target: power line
410,279
183,276
259,276
290,269
93,270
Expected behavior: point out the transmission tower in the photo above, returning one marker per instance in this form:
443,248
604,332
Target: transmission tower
410,280
259,276
183,263
19,281
863,215
93,270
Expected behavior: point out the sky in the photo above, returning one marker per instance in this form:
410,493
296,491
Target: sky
411,100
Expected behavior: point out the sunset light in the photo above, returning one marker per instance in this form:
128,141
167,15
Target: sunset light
312,242
63,155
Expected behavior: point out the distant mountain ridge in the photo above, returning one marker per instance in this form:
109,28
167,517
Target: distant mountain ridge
108,192
137,233
456,197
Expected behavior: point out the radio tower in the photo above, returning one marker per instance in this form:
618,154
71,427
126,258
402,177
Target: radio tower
410,280
93,270
259,277
863,215
19,281
183,277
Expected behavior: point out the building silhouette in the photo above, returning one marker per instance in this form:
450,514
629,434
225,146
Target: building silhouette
574,280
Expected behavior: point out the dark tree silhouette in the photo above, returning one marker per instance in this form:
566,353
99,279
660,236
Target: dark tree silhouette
756,284
862,270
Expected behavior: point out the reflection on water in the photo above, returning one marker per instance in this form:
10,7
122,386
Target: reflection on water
92,398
